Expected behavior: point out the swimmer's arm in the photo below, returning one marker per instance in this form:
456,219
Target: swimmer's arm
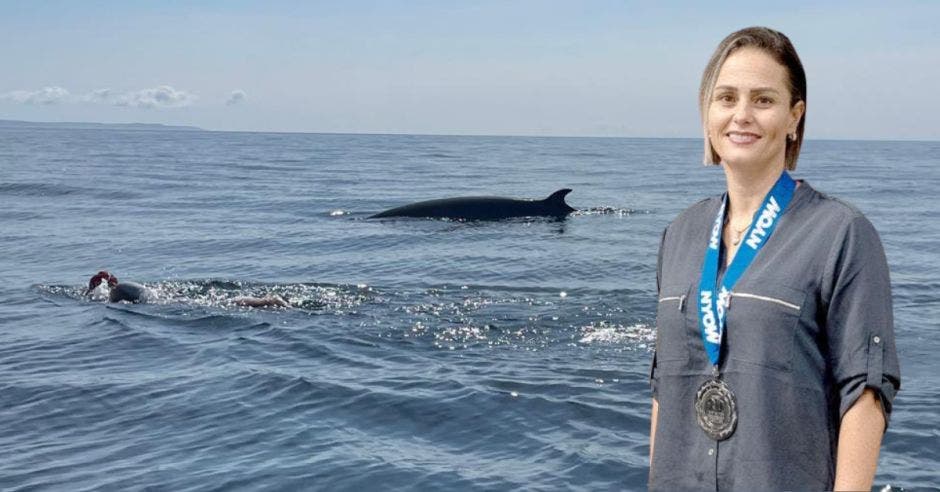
859,442
654,415
266,301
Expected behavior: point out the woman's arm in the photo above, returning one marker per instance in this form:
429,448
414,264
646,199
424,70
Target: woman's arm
859,442
653,416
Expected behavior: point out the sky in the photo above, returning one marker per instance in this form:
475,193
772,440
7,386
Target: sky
487,67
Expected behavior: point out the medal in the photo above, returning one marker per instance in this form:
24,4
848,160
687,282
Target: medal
716,410
715,406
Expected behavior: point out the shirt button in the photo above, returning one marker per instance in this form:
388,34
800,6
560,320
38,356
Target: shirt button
711,451
876,339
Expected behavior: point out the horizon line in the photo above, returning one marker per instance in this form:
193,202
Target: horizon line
422,134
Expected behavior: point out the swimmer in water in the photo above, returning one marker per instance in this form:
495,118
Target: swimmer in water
103,285
117,291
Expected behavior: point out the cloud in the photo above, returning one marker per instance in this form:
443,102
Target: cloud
45,96
163,96
237,96
101,96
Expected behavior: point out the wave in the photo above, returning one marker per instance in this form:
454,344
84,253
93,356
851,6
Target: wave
40,189
433,316
441,155
33,189
606,210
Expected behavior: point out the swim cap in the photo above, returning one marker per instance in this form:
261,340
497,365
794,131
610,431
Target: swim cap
102,275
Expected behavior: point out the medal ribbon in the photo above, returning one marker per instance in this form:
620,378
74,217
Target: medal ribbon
711,319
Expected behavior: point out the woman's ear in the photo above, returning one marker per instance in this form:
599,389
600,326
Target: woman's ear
796,113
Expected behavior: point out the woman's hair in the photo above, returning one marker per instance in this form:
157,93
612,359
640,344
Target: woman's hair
778,46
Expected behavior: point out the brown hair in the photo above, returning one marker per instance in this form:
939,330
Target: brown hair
778,46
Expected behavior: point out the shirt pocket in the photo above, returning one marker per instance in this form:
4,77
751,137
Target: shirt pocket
762,321
672,325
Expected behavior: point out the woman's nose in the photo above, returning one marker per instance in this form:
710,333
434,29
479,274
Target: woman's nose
742,113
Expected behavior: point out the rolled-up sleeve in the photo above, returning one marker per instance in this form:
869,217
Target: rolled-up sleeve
859,320
659,274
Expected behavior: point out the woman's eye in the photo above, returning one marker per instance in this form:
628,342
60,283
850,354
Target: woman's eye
725,98
765,101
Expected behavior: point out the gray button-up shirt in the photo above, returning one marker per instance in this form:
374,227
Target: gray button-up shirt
808,328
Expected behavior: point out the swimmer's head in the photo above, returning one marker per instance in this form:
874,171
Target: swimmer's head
102,276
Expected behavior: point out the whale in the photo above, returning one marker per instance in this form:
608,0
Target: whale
483,208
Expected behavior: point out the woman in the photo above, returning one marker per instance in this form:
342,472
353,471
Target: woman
775,364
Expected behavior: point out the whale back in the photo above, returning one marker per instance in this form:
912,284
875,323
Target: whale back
483,208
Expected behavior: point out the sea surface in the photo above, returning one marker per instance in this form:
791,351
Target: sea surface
418,354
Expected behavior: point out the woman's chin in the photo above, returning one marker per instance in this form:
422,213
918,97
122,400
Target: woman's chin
745,161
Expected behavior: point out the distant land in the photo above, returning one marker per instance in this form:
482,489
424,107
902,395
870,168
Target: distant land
97,126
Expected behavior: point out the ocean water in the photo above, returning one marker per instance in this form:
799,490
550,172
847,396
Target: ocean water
419,354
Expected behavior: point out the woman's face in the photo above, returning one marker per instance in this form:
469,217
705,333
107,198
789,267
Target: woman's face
749,115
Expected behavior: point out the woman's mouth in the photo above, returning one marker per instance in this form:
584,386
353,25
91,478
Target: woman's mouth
742,138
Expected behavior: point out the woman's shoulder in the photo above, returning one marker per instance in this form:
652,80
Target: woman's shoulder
827,220
693,222
823,208
704,209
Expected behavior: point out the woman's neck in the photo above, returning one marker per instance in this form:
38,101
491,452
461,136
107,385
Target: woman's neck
746,191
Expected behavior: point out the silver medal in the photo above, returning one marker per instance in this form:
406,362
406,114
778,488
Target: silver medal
715,409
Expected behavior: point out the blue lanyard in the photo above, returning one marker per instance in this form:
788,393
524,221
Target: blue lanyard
711,319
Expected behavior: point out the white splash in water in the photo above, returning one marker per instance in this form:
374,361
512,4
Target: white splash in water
603,332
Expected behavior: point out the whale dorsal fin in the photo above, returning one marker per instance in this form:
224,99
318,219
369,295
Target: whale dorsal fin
558,196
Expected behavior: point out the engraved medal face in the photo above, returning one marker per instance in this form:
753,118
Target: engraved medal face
715,409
